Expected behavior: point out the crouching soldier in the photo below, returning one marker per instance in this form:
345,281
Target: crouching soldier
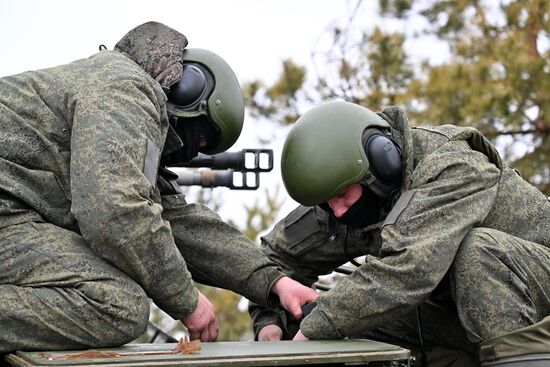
92,224
457,244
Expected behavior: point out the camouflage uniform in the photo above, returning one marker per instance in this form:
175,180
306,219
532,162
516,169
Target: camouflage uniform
466,239
88,230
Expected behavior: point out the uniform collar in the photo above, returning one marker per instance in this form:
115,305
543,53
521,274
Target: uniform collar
173,141
402,135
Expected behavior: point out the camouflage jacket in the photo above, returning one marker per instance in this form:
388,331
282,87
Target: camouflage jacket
81,145
454,180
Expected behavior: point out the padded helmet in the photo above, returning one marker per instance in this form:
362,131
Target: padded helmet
326,150
209,87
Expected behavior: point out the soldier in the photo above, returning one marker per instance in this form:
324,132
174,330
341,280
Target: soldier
456,243
90,226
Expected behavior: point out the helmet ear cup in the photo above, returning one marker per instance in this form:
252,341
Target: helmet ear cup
385,171
224,102
194,87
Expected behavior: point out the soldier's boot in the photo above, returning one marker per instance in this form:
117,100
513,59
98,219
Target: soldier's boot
526,347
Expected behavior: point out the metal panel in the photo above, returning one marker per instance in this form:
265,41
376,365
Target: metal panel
283,353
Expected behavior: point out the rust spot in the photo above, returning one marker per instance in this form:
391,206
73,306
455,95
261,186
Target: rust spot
184,346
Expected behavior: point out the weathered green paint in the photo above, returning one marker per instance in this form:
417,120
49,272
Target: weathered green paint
284,353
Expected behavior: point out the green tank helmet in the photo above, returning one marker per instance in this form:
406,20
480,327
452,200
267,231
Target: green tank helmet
324,153
209,87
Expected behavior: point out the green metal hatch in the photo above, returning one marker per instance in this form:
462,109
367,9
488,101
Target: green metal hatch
282,353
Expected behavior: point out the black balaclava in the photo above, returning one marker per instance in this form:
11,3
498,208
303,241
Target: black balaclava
385,174
190,121
190,130
364,212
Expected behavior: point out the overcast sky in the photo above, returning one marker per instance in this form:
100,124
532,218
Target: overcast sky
253,36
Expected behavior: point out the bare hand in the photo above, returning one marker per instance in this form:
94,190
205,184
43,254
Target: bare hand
299,336
202,323
293,295
270,333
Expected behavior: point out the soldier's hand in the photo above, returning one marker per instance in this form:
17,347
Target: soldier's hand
270,333
202,323
299,336
293,295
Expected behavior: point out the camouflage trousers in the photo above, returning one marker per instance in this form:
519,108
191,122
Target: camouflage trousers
497,283
55,293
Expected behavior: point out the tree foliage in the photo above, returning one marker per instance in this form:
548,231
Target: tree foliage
280,100
495,76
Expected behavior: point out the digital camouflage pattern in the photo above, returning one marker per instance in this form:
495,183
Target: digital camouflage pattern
466,238
56,293
157,49
84,239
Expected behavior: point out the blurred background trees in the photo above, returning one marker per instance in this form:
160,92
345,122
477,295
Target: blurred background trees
493,72
472,63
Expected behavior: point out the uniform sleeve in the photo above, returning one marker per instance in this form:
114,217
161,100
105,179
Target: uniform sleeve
113,127
218,254
262,316
452,191
304,246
